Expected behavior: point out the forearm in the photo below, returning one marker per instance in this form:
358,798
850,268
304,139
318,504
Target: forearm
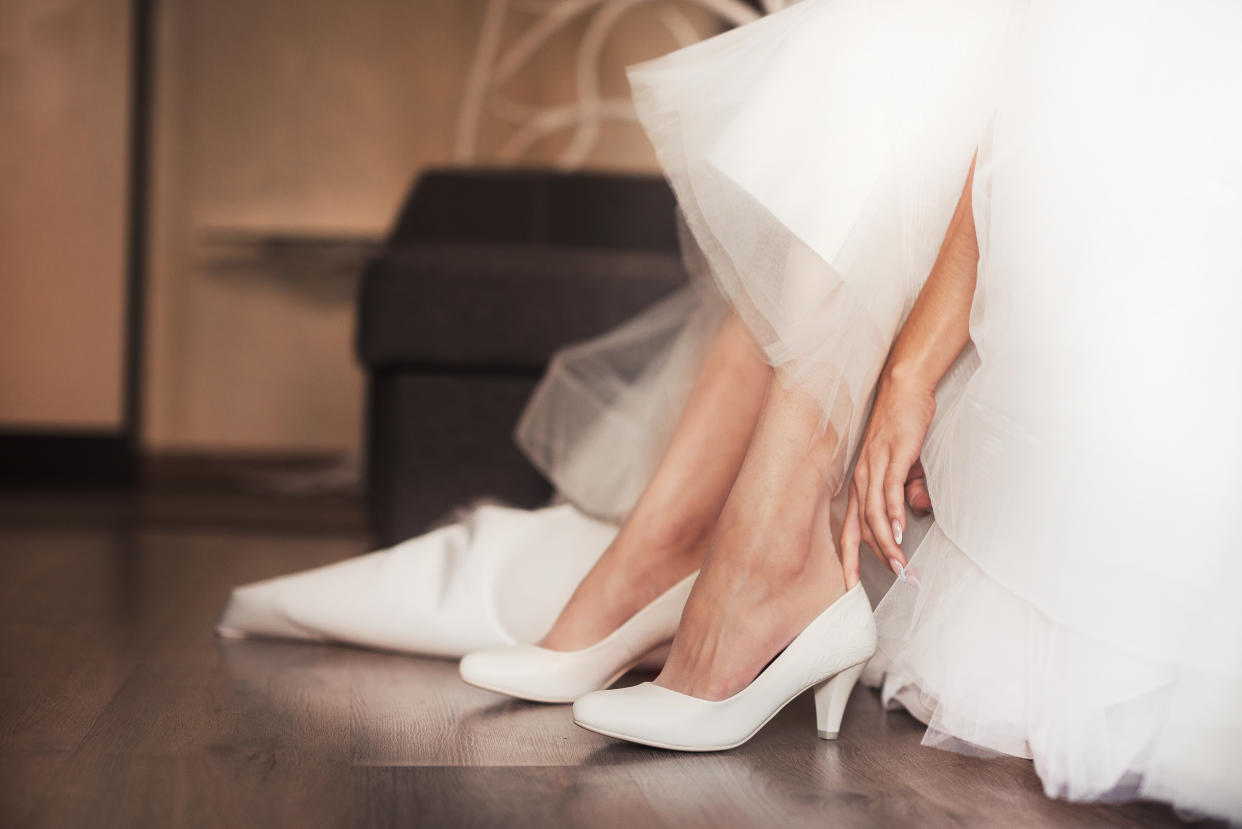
938,327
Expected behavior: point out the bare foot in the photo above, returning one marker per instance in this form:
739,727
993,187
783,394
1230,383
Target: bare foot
666,535
640,564
772,566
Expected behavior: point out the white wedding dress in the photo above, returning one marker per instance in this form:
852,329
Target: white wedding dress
1073,599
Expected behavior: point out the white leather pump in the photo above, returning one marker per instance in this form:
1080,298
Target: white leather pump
829,654
541,675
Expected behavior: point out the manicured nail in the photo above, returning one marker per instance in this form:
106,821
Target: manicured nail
896,531
898,570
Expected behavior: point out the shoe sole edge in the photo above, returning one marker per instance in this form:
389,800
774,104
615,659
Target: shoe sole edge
727,746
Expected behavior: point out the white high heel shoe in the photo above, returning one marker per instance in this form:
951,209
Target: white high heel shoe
829,654
541,675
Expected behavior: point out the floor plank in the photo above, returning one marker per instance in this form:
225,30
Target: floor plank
118,707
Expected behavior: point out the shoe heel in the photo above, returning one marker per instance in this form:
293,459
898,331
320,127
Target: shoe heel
830,699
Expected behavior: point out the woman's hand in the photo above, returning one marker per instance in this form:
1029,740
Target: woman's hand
936,331
888,463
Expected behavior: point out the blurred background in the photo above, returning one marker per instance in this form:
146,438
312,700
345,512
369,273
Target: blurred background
193,190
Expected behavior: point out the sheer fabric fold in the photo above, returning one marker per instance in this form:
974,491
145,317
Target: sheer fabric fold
1071,602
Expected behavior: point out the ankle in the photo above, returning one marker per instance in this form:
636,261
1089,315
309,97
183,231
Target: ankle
661,542
773,526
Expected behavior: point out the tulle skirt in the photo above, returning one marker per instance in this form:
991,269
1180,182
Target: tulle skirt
1073,600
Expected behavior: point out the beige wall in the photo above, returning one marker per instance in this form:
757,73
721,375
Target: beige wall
64,127
304,116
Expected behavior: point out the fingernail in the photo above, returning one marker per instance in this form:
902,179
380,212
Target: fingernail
898,570
896,531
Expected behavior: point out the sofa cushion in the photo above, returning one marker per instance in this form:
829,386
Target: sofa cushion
501,305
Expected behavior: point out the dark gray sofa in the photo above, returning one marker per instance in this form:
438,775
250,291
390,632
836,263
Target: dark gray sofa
485,274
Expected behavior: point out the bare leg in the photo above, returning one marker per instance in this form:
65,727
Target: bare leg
772,565
666,535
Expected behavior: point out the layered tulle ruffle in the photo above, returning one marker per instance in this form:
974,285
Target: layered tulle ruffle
1073,601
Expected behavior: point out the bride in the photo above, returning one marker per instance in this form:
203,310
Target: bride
981,259
1059,374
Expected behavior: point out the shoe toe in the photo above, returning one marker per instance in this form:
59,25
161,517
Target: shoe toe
635,712
602,710
520,671
478,667
493,667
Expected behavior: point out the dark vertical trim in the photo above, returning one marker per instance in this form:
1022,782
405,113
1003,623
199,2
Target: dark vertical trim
141,95
94,457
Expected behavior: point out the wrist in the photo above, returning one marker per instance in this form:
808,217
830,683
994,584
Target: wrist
910,377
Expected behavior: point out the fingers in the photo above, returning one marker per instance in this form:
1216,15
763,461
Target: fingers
917,494
918,497
876,512
859,492
868,538
850,538
895,501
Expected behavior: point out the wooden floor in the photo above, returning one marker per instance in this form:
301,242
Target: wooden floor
118,707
